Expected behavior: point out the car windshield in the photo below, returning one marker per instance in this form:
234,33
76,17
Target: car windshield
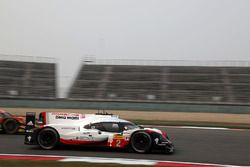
129,126
112,126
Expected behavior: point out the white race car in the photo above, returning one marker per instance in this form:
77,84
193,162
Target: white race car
93,129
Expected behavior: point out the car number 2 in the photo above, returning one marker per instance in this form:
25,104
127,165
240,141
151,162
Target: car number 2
118,143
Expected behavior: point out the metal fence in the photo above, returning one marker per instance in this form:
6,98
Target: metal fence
22,58
208,63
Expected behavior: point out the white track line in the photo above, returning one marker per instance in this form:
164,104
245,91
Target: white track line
197,127
123,161
206,128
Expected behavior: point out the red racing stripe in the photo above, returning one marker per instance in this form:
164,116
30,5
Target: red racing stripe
32,158
83,142
175,164
76,142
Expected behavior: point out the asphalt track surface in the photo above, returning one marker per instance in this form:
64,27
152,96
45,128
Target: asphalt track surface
230,147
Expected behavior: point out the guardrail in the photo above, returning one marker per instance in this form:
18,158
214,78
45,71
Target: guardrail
207,63
22,58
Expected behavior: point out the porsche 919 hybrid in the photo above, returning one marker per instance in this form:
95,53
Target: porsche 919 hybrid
93,130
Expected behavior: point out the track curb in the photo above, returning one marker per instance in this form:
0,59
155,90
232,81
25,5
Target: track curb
124,161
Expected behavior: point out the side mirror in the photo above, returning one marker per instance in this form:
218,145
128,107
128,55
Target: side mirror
125,128
141,127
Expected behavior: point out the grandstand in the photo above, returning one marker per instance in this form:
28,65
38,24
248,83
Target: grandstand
27,79
130,80
219,84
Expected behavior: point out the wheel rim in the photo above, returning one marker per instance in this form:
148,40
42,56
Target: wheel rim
47,139
141,142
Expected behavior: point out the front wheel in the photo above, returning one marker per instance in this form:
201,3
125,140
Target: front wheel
10,126
48,138
141,142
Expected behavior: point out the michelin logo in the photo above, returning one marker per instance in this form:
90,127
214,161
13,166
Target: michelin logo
29,138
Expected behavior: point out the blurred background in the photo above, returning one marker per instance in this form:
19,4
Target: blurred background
145,51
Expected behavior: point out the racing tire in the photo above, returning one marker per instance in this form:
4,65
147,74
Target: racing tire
10,126
141,142
48,138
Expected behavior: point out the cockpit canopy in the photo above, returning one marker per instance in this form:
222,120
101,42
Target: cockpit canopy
115,127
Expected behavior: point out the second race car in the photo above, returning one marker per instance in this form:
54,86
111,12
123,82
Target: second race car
11,124
93,130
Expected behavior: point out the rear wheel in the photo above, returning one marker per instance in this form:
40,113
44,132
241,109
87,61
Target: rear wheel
48,138
141,142
10,126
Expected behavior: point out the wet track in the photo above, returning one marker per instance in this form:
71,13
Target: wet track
230,147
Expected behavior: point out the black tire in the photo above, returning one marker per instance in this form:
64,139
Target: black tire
141,142
10,126
48,138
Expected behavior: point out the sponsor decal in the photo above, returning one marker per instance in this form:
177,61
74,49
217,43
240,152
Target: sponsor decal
29,138
61,117
86,133
118,141
156,140
118,137
68,128
66,114
30,123
67,117
84,138
73,117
